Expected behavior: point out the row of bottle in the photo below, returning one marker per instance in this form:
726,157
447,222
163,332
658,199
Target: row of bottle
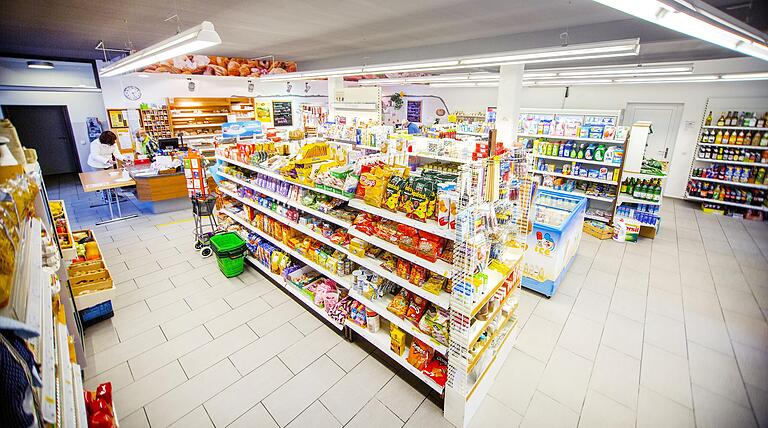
718,192
730,154
734,138
645,217
646,189
736,174
572,150
736,118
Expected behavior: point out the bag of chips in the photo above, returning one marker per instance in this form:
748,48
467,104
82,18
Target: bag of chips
434,284
437,369
394,191
420,354
416,309
418,274
399,305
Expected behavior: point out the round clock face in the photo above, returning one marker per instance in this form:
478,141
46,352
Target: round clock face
132,93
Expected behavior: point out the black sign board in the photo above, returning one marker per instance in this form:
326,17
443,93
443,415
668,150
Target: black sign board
282,113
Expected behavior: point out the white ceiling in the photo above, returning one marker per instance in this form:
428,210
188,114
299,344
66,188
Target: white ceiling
315,31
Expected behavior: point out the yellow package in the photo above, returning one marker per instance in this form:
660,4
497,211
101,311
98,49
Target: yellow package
397,340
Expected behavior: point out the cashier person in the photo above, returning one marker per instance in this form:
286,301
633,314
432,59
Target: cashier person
147,145
105,151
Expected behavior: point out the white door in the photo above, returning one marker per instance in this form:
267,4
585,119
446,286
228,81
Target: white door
665,121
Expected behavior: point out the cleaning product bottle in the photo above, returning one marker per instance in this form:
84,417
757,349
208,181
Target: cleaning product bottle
589,153
567,149
580,153
600,153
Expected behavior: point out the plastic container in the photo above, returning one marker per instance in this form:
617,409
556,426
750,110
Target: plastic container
95,314
230,249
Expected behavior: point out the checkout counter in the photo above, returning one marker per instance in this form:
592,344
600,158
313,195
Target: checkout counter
160,191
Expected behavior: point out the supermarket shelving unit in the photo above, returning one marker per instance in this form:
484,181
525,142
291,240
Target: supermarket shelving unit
476,349
155,122
606,203
719,106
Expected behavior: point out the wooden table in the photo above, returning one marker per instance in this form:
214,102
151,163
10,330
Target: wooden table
108,180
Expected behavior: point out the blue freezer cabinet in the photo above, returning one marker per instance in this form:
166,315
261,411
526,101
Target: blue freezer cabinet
551,246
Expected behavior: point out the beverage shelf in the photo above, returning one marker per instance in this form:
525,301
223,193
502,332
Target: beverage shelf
733,204
732,183
587,161
633,200
736,128
735,146
731,162
575,177
566,138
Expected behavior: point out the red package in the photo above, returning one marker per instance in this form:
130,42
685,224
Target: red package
416,309
365,223
408,238
437,369
418,275
98,405
429,246
420,354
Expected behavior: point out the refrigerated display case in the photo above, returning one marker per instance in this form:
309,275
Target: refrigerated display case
558,221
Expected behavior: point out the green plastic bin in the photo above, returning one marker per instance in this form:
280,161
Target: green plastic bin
230,249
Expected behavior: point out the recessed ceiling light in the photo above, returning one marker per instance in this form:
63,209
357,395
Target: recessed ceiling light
44,65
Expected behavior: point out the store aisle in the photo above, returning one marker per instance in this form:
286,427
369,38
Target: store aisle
642,333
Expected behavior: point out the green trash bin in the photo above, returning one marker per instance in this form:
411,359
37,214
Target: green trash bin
230,249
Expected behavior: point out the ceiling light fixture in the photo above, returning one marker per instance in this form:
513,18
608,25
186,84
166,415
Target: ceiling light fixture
464,84
698,20
43,65
196,38
701,78
612,70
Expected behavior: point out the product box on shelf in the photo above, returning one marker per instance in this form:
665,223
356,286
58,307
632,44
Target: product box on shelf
89,290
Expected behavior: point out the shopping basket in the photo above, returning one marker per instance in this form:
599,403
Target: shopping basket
202,208
230,250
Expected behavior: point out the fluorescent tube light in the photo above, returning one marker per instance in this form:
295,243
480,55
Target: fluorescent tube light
332,73
196,38
621,47
684,21
411,66
567,82
464,84
745,76
42,65
617,71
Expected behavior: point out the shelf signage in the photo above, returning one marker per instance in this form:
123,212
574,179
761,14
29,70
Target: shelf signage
247,128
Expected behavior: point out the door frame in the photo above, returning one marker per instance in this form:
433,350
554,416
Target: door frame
677,118
70,132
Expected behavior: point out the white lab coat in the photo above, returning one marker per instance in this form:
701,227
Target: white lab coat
101,154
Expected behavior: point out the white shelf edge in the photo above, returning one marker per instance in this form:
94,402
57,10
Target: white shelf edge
732,162
630,199
575,177
735,146
587,161
428,226
733,204
440,267
596,198
439,158
278,176
732,183
745,128
563,137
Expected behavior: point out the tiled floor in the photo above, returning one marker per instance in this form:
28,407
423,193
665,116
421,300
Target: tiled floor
664,333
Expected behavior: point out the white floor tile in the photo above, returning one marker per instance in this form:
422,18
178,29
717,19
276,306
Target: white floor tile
194,318
151,360
599,280
275,317
402,398
666,374
665,333
183,399
306,323
581,336
316,415
137,295
747,330
624,335
265,348
120,376
123,351
176,295
616,375
717,373
428,415
305,351
194,419
100,337
592,305
566,365
517,381
375,415
216,350
249,293
655,410
753,365
236,317
538,337
758,398
236,399
714,411
600,411
546,412
131,328
356,388
256,417
556,309
665,303
298,393
347,354
629,304
138,394
211,294
491,412
708,331
136,419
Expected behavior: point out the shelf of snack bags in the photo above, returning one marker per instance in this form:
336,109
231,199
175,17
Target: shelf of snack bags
408,354
403,309
63,229
292,197
315,165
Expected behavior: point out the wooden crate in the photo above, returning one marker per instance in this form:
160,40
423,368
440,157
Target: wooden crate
90,281
597,232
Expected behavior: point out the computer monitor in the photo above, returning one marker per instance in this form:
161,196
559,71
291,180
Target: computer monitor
168,143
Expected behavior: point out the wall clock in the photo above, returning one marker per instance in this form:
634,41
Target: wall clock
132,93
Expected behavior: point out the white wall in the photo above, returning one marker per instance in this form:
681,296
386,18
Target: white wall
79,104
450,99
155,89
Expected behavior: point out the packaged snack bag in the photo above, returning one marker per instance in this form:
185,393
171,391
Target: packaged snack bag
399,305
437,369
429,246
420,354
418,274
434,284
408,238
443,207
416,309
394,191
406,204
422,195
403,268
396,339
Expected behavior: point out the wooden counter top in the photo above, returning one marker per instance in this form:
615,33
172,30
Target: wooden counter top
105,179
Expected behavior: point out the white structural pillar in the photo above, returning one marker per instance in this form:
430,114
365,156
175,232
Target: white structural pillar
508,103
334,84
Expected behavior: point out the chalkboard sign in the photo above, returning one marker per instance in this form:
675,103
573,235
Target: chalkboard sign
282,113
414,111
